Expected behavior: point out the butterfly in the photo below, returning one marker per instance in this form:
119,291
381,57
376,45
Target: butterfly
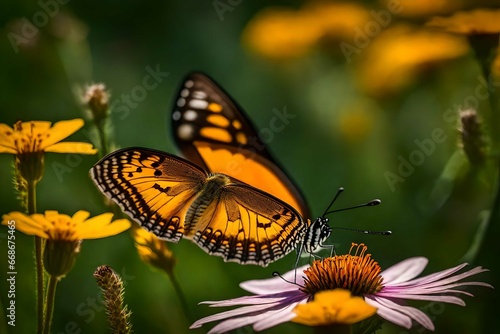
229,196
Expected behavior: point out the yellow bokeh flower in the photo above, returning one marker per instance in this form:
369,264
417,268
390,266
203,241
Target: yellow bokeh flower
280,33
478,21
336,306
420,8
153,250
338,20
394,60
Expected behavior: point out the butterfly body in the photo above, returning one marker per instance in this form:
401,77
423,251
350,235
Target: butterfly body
317,232
229,196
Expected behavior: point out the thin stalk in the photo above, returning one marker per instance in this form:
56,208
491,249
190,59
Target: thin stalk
31,185
49,310
180,295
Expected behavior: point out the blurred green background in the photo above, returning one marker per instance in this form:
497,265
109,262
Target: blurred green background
344,134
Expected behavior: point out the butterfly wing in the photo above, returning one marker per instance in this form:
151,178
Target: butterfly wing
172,198
212,131
248,226
152,187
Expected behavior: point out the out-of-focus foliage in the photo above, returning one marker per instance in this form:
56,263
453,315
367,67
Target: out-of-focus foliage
375,100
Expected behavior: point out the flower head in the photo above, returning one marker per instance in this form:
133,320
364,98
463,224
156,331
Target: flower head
113,291
64,234
30,140
343,290
96,98
153,250
391,58
57,226
478,21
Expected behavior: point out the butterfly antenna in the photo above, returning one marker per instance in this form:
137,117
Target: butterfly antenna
277,274
363,231
371,203
341,189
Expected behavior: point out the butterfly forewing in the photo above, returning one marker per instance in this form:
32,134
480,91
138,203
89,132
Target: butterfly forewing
152,187
213,131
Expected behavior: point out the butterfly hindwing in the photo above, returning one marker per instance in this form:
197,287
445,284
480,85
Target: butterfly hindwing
246,225
152,187
212,131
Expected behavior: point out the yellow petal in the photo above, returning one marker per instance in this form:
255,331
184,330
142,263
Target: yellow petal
4,149
96,230
71,147
80,216
61,130
25,224
333,307
6,139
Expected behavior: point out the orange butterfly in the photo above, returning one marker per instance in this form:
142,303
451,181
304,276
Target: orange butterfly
231,197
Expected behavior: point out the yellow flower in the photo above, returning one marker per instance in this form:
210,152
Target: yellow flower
322,311
39,136
338,20
479,21
30,140
64,234
56,226
153,250
394,60
412,8
280,33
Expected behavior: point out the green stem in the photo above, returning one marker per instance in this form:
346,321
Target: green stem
102,138
31,185
49,310
180,295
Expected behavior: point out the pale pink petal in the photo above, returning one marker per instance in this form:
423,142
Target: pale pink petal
231,324
445,299
273,319
412,312
253,300
389,314
431,277
271,285
404,270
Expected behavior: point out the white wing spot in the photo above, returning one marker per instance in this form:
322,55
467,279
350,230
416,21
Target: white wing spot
181,102
189,84
198,104
176,115
184,92
185,131
190,115
199,95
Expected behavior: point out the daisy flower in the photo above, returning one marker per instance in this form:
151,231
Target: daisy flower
356,284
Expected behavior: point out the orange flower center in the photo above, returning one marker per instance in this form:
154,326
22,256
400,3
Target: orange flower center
357,272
